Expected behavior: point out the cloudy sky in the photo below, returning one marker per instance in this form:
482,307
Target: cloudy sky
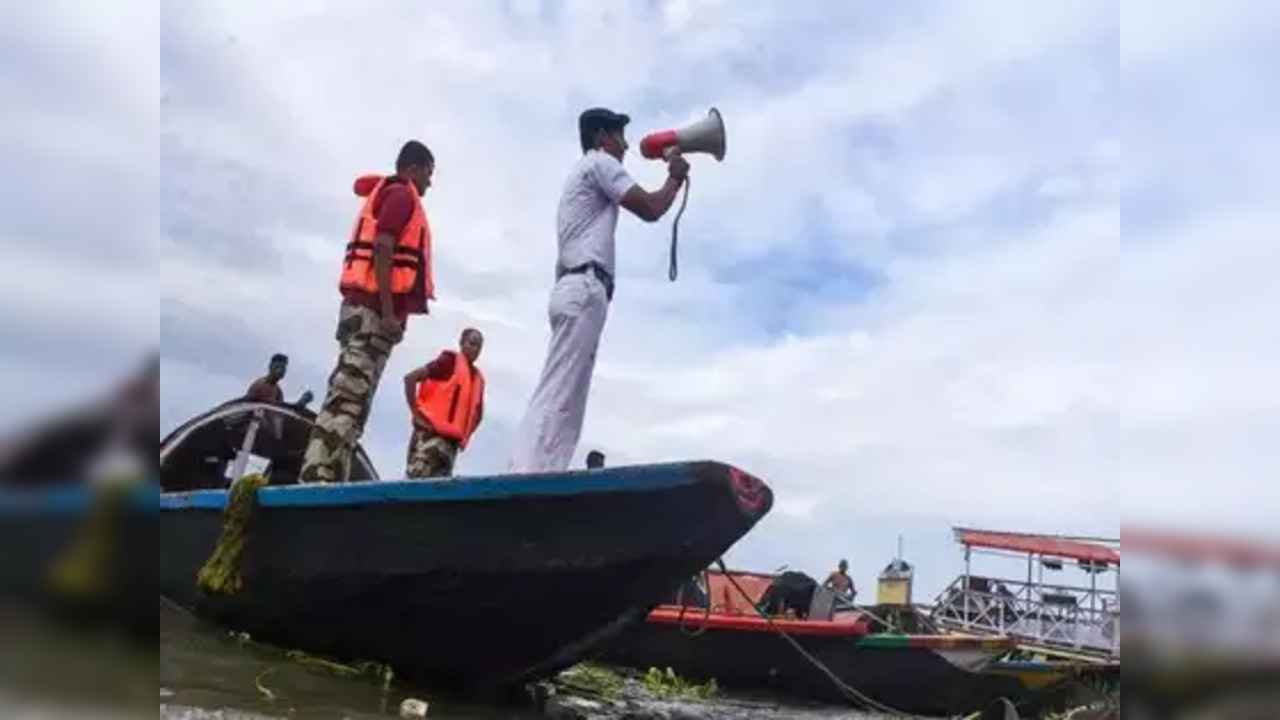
921,290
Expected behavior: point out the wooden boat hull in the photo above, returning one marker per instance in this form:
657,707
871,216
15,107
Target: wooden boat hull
471,584
41,528
919,675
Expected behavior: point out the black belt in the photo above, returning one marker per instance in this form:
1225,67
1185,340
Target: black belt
595,269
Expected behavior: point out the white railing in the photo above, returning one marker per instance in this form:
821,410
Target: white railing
1081,619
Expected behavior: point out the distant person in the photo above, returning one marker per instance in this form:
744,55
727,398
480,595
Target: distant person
385,278
267,387
595,460
587,220
446,402
840,582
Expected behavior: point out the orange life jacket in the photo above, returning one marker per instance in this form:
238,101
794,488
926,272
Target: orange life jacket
453,405
411,259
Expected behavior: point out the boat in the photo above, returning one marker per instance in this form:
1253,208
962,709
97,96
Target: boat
1199,632
474,585
821,653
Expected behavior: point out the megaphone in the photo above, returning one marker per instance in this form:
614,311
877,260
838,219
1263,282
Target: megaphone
705,136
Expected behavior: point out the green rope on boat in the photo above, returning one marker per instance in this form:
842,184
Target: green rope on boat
220,574
83,571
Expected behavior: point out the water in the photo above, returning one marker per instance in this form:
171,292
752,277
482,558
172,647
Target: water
208,674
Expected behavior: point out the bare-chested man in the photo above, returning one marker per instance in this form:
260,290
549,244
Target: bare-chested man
267,387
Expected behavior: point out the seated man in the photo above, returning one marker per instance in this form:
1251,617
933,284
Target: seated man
267,387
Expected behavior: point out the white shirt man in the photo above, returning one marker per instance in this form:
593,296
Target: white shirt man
586,223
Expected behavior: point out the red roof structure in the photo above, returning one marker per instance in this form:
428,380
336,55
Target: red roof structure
1199,548
1038,545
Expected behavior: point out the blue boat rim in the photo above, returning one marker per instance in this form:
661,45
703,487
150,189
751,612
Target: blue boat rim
622,479
75,498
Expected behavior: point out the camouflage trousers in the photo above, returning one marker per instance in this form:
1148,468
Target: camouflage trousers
362,355
430,455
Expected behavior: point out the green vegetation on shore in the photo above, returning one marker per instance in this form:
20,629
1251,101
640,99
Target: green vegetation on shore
591,680
666,684
596,681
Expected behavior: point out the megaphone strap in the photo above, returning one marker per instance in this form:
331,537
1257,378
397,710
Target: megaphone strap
673,264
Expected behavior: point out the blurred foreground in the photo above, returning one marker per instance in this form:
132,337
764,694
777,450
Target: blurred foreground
1200,615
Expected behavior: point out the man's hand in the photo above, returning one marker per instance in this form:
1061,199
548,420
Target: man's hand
390,328
677,166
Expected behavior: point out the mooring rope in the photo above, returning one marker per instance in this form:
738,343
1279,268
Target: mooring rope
83,572
220,574
706,614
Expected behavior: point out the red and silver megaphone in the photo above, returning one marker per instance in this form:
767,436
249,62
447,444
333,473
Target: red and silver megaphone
704,136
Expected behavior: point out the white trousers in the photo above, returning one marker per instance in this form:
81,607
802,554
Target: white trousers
548,435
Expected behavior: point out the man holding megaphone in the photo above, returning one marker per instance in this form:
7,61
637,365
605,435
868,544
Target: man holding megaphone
586,223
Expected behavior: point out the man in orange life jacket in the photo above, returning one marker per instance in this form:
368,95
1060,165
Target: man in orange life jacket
386,277
446,401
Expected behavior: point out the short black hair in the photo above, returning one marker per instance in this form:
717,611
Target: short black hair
279,358
414,154
595,457
592,121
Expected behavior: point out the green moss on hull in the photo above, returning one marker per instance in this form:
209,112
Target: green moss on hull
220,574
83,573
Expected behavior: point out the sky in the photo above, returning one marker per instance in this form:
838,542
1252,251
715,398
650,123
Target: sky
922,289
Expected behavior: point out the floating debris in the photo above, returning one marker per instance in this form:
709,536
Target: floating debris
413,708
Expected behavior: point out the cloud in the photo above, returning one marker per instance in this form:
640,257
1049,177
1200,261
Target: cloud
923,288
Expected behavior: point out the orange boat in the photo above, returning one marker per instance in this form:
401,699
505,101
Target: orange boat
819,652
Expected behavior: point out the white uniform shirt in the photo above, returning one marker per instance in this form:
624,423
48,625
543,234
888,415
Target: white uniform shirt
588,214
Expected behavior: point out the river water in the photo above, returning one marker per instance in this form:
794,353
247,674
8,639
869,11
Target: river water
208,673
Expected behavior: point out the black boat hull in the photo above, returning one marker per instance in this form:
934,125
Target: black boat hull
475,584
41,528
915,675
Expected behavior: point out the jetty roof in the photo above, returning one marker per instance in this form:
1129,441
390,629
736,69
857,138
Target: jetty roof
1195,547
1043,545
